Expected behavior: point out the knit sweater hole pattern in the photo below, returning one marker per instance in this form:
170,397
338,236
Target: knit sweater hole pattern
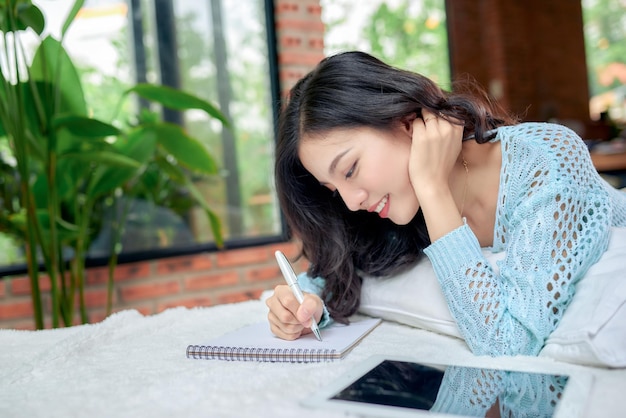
577,213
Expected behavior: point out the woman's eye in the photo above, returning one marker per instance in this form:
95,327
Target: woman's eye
351,171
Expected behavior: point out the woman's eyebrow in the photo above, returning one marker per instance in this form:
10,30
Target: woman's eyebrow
333,164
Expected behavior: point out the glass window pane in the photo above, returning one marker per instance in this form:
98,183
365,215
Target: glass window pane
216,50
605,44
403,33
223,55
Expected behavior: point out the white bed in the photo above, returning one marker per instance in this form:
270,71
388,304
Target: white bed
134,366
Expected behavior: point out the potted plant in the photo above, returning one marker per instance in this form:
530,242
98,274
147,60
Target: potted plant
68,166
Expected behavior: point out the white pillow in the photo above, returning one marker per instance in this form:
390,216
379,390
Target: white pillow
591,332
593,328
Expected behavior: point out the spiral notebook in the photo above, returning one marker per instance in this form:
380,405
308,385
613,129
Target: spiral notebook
256,343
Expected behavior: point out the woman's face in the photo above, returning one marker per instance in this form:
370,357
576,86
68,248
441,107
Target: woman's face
367,167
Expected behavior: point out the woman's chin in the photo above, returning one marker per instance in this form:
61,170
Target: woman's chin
400,221
404,218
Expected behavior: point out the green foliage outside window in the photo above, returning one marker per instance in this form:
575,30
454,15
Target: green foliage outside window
605,43
406,34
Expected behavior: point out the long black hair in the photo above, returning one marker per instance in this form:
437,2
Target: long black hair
350,90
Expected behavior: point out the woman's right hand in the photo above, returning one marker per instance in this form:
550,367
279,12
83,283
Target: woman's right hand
288,318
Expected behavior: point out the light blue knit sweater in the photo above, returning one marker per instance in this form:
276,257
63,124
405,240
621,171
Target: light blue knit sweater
553,219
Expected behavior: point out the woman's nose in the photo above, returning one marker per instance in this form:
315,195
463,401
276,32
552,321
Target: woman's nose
353,197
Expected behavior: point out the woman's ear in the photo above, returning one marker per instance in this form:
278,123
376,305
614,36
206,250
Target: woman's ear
407,123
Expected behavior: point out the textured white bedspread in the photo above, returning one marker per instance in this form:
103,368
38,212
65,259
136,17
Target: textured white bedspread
135,366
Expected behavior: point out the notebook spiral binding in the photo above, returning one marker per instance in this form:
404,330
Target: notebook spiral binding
292,355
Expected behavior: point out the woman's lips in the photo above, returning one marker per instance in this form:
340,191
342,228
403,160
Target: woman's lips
382,207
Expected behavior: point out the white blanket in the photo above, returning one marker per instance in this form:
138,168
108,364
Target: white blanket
135,366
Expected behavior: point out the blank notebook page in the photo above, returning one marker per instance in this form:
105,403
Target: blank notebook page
256,342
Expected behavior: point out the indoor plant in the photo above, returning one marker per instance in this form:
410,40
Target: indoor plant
68,166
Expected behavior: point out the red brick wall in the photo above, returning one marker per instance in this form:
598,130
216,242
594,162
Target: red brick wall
530,54
153,286
300,38
205,279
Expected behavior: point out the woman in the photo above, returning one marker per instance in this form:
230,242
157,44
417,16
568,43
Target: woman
376,166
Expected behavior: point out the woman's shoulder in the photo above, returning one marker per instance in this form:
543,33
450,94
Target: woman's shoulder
544,137
543,130
554,151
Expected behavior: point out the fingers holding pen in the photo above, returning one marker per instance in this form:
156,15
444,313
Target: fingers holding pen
287,317
284,330
310,309
281,316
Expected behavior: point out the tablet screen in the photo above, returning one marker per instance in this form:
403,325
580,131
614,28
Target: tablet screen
459,390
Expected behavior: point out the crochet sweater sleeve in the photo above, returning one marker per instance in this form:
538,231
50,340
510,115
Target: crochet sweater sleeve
472,392
553,221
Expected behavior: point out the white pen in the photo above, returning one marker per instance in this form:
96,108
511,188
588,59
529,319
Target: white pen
292,281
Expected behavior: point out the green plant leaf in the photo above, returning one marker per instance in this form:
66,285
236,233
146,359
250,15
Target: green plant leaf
176,174
29,16
177,100
214,220
71,177
104,157
51,64
24,15
4,101
78,4
66,231
33,119
84,127
65,185
139,145
187,150
39,189
173,172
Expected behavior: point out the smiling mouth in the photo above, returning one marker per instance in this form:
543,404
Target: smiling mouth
381,204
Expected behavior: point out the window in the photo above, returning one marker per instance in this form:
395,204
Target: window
605,43
407,34
218,50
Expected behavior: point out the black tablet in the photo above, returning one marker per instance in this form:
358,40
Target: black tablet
401,387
